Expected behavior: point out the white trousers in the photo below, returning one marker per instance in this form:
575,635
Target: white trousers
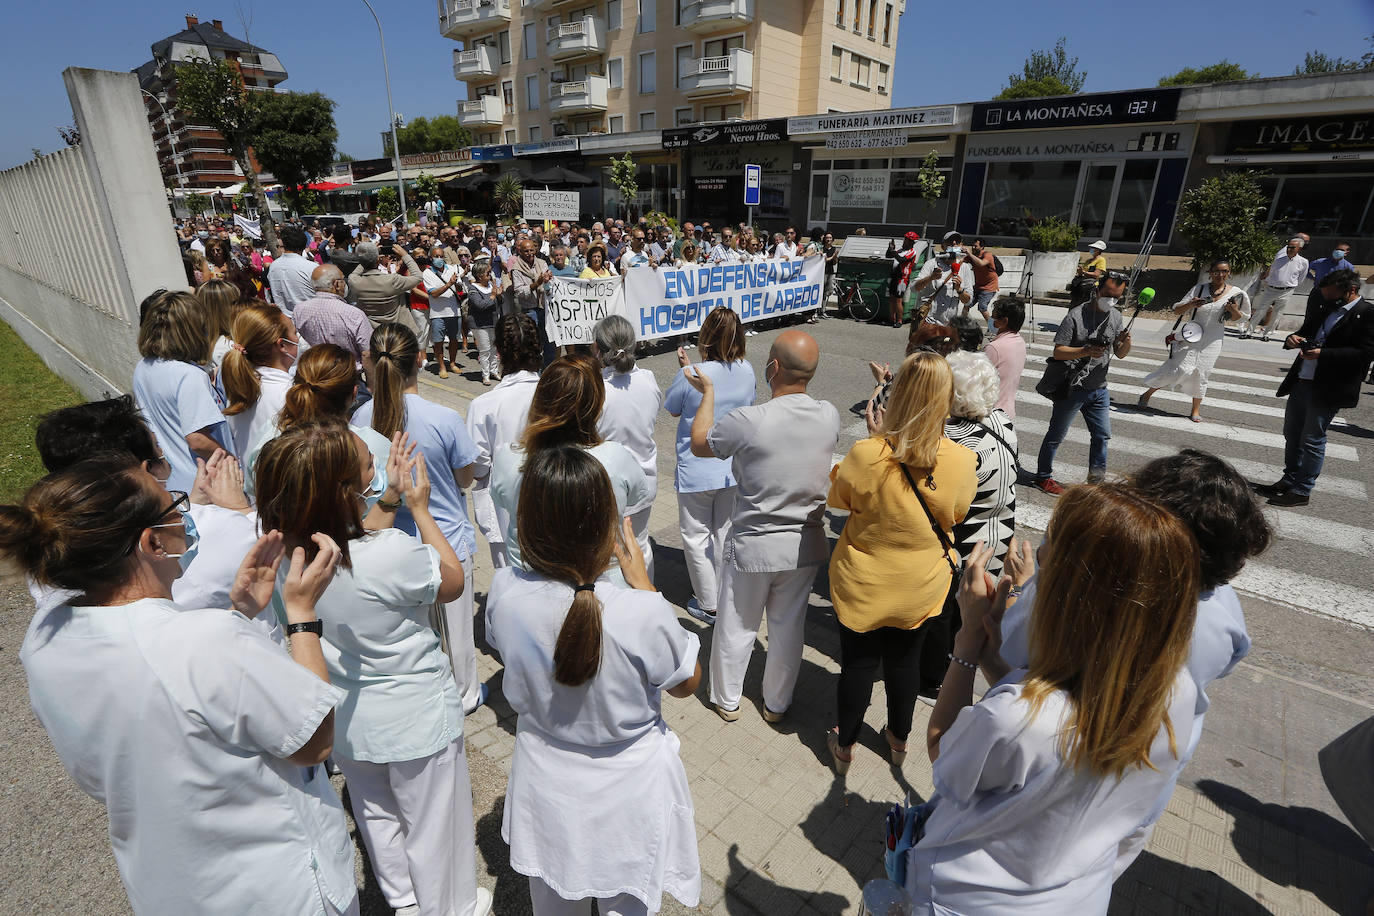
640,521
745,597
486,352
416,819
421,318
704,518
548,903
459,642
1269,305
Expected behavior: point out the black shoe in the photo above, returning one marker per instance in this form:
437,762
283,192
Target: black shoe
1287,498
1269,489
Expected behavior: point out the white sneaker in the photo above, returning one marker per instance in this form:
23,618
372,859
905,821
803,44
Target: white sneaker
483,906
412,910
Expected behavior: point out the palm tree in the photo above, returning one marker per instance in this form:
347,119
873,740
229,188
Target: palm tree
509,195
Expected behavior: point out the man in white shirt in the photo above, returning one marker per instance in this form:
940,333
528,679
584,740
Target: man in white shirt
950,278
289,275
636,255
787,248
1277,283
727,250
441,280
781,451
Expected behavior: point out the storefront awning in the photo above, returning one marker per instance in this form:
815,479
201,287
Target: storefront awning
1260,158
386,179
327,185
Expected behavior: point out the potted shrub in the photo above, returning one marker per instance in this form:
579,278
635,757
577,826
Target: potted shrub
1224,218
1054,254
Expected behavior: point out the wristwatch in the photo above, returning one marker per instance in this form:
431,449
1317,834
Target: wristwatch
313,626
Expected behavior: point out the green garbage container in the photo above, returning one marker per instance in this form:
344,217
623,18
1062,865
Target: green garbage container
864,257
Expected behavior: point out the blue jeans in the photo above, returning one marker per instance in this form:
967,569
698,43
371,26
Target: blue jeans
1305,421
452,328
1095,405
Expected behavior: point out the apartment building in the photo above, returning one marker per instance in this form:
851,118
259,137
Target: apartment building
187,151
536,70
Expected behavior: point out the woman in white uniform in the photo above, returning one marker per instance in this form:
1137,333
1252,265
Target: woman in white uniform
324,387
633,399
255,370
497,419
1190,362
567,404
706,487
199,734
1038,783
400,723
598,805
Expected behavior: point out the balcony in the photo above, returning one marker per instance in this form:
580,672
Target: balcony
460,18
585,96
707,77
585,37
483,112
707,16
551,4
475,63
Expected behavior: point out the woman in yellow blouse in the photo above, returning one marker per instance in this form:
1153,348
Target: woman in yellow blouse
889,573
597,268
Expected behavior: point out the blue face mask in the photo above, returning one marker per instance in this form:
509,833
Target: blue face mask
188,526
375,489
1339,254
439,264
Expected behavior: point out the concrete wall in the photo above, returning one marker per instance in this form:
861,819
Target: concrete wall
85,234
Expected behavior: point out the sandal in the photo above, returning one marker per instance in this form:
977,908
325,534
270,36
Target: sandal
897,754
842,760
1196,418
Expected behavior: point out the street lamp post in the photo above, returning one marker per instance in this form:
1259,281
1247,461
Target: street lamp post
167,122
395,146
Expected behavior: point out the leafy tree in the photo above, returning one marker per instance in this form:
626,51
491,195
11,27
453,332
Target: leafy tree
432,135
293,136
1054,234
388,206
1367,58
71,135
1317,62
509,195
426,188
1046,73
309,201
625,177
1221,72
212,92
1224,218
930,184
197,203
343,157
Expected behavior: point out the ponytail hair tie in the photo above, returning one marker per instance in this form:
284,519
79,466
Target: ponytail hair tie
589,587
239,347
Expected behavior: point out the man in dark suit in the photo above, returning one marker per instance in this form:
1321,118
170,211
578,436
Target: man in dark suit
1336,344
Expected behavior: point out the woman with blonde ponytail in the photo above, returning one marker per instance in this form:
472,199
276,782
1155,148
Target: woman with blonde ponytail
440,434
596,776
254,372
324,388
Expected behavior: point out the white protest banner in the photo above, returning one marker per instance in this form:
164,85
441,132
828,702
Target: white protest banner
676,300
250,227
572,307
558,205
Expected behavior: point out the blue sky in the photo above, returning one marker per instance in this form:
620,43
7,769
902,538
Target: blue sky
963,55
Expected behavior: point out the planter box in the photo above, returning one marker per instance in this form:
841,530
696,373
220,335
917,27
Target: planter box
1052,270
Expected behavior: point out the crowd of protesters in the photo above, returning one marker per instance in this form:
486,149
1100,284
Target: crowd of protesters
263,560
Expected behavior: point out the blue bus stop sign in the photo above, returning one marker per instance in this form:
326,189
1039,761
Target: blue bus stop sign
753,182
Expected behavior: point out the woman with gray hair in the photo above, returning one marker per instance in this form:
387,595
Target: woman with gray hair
977,424
484,307
633,399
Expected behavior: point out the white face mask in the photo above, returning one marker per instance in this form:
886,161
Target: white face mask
1106,302
768,379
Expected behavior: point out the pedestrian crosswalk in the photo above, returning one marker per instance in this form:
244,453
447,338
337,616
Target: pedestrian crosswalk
1319,559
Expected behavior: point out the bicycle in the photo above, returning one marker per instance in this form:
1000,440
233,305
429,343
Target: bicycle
857,300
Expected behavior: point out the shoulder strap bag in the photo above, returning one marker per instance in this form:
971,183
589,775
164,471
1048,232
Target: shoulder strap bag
945,541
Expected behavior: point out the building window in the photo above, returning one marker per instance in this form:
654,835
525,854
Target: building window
615,73
648,120
503,43
682,116
861,71
887,26
648,13
882,79
508,96
532,92
647,62
839,14
534,135
683,56
721,47
510,136
872,17
836,64
731,112
858,15
528,50
612,14
617,124
552,22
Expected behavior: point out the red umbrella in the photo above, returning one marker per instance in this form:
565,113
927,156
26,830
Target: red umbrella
326,185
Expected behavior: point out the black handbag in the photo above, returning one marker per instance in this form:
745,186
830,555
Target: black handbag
1054,384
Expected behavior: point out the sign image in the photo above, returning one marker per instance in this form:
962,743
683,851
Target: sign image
555,205
1089,109
670,301
1336,133
872,120
753,184
867,139
860,188
730,133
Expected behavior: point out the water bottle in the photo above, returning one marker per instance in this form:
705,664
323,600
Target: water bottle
882,897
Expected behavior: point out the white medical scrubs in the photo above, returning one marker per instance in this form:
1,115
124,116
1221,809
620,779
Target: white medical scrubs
248,424
180,723
495,419
177,399
598,804
632,402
